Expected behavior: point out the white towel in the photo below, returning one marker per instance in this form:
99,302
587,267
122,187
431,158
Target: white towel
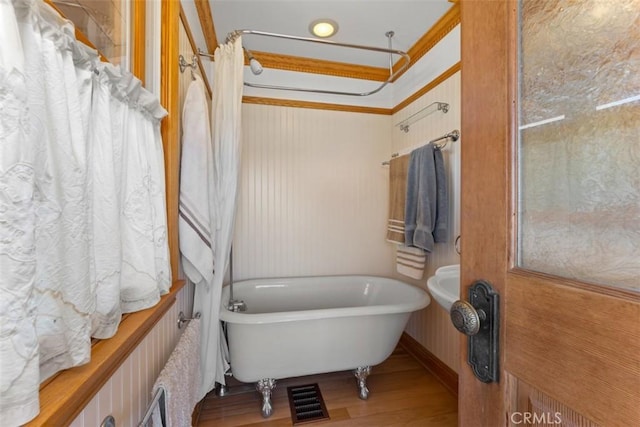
410,261
180,377
196,187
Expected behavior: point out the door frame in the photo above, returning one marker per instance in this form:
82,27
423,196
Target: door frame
486,41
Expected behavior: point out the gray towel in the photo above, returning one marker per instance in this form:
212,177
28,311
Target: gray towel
426,206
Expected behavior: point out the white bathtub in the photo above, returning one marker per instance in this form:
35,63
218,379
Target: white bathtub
312,325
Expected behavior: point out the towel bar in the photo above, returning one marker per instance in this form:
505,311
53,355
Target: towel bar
182,319
454,135
109,421
159,401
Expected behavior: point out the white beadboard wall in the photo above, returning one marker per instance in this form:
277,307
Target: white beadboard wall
127,394
313,193
432,326
313,197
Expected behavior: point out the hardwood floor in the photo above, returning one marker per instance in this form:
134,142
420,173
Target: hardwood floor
402,393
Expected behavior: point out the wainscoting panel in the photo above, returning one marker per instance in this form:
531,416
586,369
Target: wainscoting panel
431,327
128,392
313,193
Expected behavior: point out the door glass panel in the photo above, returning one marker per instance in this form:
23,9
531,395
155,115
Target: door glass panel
579,140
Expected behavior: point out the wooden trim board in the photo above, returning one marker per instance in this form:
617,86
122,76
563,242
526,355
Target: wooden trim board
194,48
138,35
447,376
206,21
431,38
170,126
320,66
315,105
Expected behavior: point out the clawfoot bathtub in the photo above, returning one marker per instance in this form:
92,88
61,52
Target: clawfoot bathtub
312,325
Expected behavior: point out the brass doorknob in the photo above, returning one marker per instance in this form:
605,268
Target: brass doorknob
465,318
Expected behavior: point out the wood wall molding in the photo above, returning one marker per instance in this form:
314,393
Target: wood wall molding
319,66
314,105
447,376
194,48
208,28
429,86
138,36
170,126
431,38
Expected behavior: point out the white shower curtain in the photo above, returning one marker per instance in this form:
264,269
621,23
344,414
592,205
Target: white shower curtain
82,211
225,122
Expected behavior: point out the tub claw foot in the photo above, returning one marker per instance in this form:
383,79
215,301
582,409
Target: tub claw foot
265,386
361,373
221,390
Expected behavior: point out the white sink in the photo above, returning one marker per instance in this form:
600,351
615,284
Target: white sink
444,286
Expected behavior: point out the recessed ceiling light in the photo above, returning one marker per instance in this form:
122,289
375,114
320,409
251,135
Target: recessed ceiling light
323,27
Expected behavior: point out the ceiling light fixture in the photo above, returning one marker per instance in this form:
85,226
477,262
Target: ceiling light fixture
323,27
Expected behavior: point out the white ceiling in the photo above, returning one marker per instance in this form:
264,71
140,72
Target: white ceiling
362,22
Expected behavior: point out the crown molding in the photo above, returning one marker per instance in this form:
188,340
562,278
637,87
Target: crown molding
320,66
440,29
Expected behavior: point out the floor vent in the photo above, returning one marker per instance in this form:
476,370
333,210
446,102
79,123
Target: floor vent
306,404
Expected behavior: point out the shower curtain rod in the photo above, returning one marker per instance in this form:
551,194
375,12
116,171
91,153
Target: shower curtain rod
454,135
233,35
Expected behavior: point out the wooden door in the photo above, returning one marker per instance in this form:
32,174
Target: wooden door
569,349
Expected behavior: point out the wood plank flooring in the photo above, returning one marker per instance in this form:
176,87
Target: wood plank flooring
401,393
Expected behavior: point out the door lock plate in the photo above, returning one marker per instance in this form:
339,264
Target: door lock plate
483,351
479,319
